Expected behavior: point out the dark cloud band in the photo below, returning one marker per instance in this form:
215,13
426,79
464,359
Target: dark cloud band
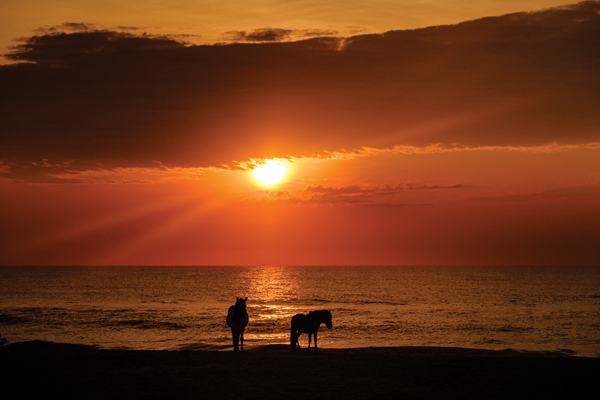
83,96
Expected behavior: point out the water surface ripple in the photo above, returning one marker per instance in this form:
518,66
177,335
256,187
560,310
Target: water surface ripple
523,308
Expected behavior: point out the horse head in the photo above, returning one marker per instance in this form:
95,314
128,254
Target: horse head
328,319
241,303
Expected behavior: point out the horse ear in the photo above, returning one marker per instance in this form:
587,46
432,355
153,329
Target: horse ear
245,299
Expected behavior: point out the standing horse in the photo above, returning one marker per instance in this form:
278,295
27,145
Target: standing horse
237,319
308,324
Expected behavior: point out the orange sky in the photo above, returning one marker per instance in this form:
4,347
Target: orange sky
209,21
474,143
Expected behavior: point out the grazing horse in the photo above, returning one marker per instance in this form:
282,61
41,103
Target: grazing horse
308,324
237,319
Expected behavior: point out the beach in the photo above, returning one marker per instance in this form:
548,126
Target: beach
36,369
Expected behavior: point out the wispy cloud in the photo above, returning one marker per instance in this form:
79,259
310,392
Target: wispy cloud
358,195
438,148
258,35
277,34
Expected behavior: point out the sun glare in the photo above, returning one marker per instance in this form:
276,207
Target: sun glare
271,173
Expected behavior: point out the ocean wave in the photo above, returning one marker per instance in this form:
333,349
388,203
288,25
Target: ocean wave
32,310
7,319
489,341
141,324
510,329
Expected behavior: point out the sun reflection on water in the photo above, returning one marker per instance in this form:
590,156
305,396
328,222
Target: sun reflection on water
271,289
273,285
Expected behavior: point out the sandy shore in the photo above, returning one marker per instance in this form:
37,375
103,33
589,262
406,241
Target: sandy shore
43,370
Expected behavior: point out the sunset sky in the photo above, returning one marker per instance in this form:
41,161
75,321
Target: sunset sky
408,132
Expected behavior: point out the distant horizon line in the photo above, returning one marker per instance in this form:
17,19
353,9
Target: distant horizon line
308,266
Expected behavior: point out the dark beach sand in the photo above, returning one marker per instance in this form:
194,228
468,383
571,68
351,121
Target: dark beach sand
46,370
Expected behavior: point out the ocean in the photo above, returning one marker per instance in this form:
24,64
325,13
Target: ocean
178,308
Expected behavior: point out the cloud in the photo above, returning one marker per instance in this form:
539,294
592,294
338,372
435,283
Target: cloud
4,168
83,95
276,35
130,28
259,35
61,49
360,195
159,174
67,27
438,148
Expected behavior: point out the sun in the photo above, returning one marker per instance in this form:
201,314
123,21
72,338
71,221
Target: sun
271,173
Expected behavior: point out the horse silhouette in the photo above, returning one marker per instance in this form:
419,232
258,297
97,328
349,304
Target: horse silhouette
308,324
237,319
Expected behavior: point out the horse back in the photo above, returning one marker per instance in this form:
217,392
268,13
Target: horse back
305,323
298,320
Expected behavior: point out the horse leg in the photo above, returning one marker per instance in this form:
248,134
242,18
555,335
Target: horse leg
294,335
309,335
242,340
235,338
292,339
316,349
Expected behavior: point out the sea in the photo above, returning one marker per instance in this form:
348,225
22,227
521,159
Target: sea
548,309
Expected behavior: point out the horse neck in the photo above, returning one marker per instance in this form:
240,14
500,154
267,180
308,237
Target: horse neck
320,316
238,312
